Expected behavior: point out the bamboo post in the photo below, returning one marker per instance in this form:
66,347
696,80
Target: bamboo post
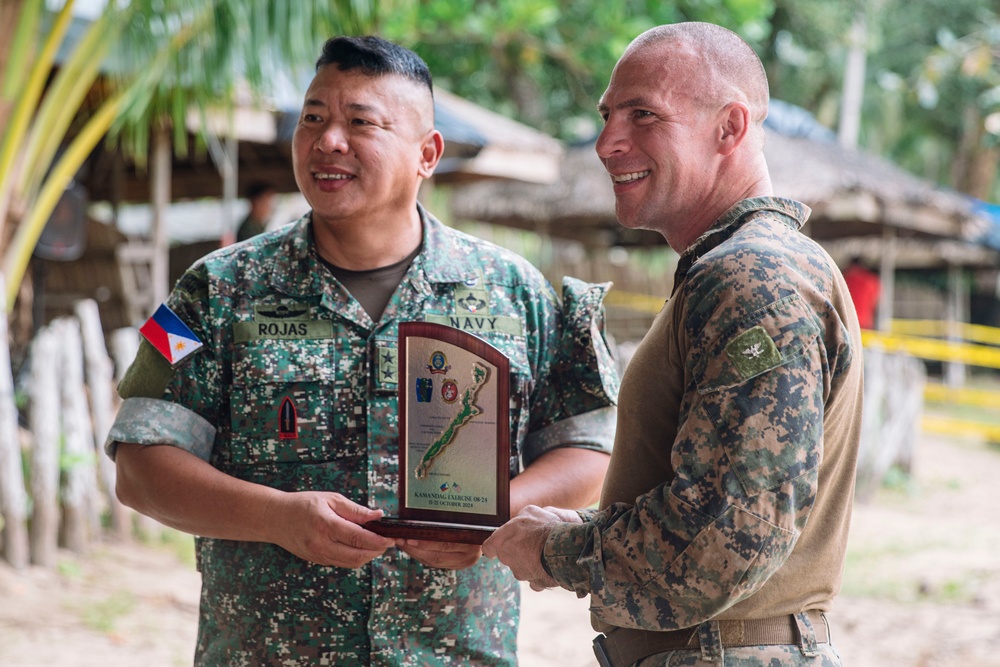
871,422
13,497
124,345
45,426
80,510
955,315
100,381
893,406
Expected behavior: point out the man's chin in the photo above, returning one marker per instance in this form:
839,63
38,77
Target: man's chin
628,218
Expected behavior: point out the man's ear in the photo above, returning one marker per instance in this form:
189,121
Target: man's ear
430,153
733,128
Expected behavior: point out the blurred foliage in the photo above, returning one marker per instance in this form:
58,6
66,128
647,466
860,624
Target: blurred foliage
545,62
932,89
67,81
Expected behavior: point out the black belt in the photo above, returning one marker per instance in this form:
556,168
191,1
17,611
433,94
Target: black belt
624,646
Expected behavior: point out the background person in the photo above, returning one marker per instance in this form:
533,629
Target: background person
262,197
865,288
724,517
277,440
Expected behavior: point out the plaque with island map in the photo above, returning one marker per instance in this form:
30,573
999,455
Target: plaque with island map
454,437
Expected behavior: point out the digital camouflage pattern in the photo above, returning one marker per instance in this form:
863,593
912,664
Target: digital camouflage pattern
277,325
744,395
748,656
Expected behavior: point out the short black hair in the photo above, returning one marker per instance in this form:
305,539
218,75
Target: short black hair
375,57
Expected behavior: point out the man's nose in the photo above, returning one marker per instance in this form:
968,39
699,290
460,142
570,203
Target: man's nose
611,140
333,139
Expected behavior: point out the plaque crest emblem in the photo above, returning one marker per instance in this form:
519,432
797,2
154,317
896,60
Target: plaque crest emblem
449,391
438,363
425,390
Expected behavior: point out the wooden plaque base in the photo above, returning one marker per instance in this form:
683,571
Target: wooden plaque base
430,530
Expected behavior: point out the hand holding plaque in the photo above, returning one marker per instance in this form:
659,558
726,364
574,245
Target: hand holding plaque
454,437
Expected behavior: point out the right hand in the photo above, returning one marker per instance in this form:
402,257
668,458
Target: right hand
325,528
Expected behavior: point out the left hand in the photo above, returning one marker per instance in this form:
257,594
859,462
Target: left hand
519,543
444,555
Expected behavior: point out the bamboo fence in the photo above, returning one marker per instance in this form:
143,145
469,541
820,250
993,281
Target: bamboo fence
56,484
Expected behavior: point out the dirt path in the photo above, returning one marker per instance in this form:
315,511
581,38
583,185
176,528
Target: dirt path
922,588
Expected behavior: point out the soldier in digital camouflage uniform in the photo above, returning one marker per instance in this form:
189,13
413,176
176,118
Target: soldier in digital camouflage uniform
725,513
283,427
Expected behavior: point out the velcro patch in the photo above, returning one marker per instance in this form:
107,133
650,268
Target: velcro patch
387,363
753,352
476,324
244,332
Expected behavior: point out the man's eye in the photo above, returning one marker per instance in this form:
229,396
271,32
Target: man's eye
359,121
311,118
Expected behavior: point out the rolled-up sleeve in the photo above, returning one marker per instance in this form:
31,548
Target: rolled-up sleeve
578,405
151,421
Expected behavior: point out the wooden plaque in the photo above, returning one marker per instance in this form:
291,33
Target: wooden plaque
454,437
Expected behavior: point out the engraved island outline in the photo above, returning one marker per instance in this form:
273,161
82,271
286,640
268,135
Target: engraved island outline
467,410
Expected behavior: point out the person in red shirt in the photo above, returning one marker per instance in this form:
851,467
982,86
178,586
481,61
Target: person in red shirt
865,288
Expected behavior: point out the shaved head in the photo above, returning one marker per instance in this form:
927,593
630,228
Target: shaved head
728,69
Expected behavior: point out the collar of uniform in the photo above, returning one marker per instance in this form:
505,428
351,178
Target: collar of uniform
440,261
297,270
791,212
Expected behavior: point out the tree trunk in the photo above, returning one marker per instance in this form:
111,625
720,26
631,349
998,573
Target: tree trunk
981,173
974,168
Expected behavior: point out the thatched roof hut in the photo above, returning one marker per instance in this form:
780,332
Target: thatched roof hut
479,144
854,196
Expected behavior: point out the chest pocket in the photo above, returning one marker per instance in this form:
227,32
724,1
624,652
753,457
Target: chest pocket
282,401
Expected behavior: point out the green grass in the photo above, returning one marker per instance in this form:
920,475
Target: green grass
180,543
870,572
102,615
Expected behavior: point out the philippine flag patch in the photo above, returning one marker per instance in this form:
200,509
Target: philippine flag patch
165,331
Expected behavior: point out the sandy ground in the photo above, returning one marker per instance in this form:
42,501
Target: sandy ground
922,588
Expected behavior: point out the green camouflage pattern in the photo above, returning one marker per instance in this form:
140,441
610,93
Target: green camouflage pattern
187,429
705,506
276,324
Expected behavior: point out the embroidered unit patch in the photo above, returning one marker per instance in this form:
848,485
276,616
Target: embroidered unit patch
753,352
288,420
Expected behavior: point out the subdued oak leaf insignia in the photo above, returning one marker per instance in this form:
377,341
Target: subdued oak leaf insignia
753,352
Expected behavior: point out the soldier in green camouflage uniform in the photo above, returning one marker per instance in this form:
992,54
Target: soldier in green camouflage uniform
284,427
723,524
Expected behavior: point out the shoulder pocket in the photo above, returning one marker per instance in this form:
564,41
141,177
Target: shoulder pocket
763,340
